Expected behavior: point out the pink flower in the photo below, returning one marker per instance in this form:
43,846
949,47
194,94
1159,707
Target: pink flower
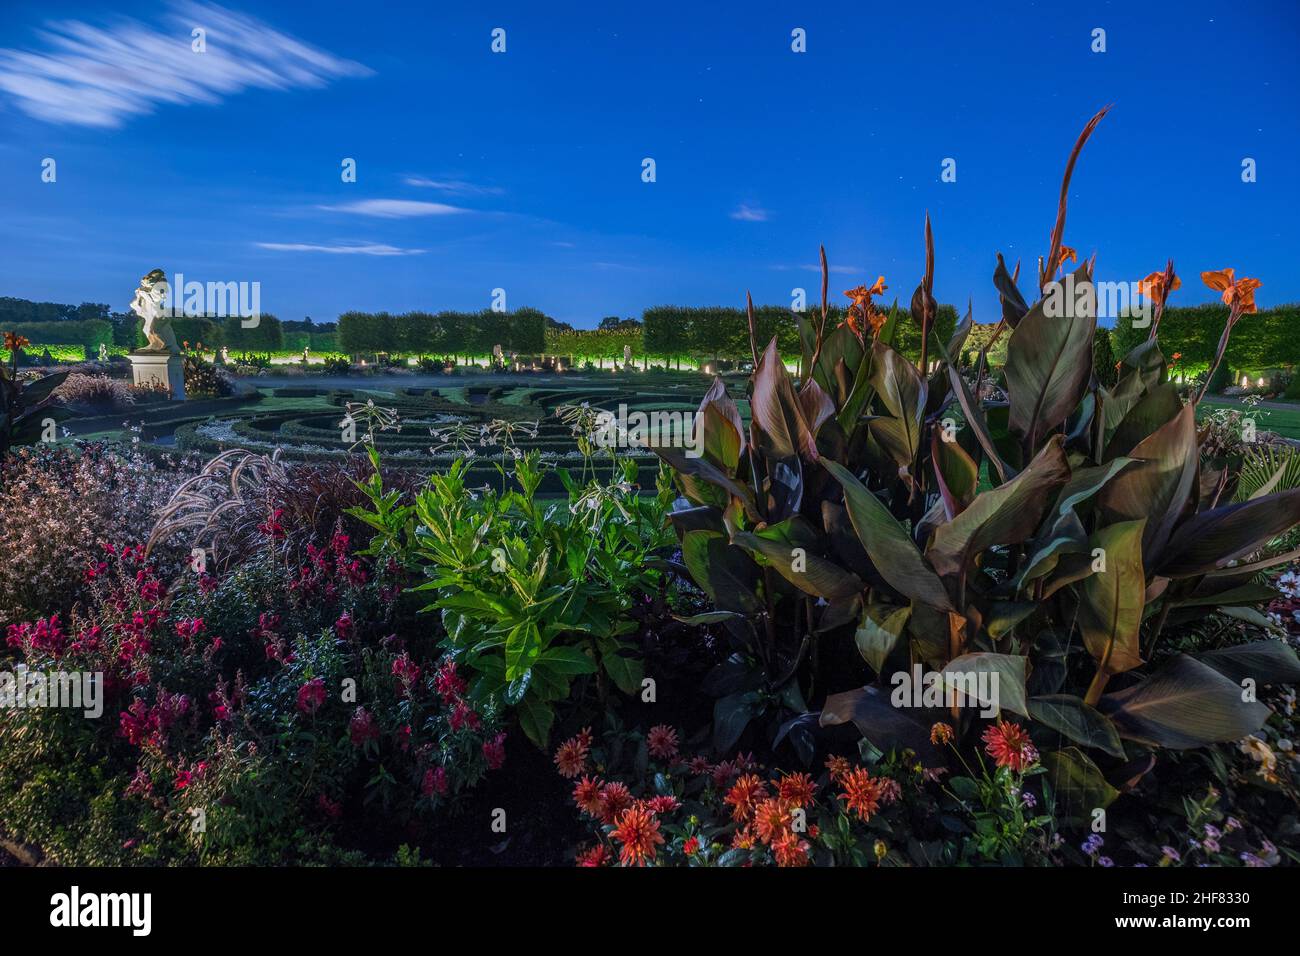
462,716
345,627
311,695
664,803
494,751
183,779
449,685
435,781
406,671
362,728
661,741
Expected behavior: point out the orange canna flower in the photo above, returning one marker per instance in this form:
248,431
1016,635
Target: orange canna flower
1153,286
862,312
1238,294
1068,253
861,296
14,341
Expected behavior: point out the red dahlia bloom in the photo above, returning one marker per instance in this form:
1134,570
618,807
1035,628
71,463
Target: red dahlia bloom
1010,746
586,794
661,741
797,789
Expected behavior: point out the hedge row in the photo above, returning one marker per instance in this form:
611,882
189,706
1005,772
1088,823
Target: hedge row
442,333
1261,341
90,333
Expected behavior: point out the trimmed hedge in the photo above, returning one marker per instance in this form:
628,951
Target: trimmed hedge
1261,341
90,333
441,333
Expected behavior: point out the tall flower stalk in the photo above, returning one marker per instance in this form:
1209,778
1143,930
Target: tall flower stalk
1239,297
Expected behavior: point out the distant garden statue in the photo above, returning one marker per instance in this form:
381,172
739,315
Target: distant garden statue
148,305
159,362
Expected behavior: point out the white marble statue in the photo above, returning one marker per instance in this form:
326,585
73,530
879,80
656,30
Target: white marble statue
148,305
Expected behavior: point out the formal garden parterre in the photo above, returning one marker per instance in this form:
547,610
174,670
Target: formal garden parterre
926,596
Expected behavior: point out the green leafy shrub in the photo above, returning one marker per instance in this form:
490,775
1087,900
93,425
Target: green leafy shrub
532,595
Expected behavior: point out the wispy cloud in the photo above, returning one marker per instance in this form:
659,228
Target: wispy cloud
454,187
395,208
833,270
350,249
101,76
747,213
617,267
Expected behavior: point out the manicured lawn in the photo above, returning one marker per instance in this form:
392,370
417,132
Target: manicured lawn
1284,421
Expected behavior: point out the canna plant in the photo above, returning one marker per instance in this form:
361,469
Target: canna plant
1050,531
25,409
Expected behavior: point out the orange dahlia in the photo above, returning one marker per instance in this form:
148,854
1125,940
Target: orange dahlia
940,734
771,819
571,758
744,795
797,789
861,793
1010,746
743,839
586,794
638,831
789,850
837,766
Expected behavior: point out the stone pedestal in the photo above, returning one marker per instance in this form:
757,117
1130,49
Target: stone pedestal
153,368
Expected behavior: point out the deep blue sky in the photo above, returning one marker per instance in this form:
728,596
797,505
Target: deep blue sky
762,153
